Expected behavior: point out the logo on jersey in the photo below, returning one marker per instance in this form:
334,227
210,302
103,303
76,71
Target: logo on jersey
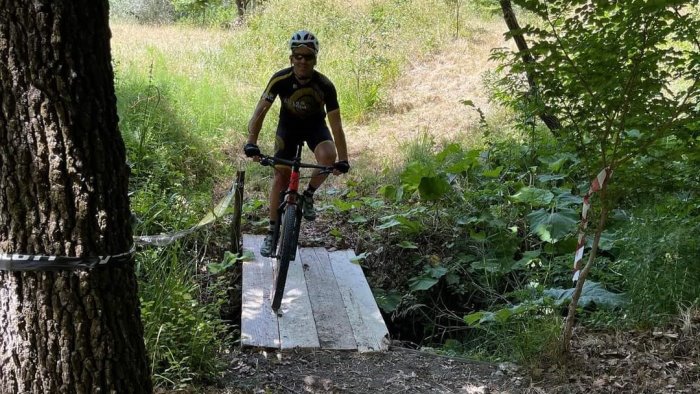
304,102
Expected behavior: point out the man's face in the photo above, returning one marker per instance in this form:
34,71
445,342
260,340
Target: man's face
303,59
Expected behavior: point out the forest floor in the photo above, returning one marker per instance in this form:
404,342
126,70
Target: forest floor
650,361
426,102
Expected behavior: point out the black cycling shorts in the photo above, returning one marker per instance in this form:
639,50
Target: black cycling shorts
288,138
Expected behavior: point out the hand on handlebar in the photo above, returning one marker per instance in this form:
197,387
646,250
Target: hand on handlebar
251,150
341,167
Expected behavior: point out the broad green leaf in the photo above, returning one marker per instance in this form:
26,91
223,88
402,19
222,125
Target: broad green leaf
343,206
463,221
215,268
502,315
414,173
403,223
410,226
556,162
422,283
387,301
607,241
437,272
533,196
391,222
247,255
552,226
373,202
550,177
229,261
528,257
564,199
450,150
473,319
391,192
432,188
388,192
477,235
493,173
592,293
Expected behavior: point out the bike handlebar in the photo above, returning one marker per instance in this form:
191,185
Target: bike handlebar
272,161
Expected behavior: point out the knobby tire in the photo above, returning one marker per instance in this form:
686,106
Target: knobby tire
286,251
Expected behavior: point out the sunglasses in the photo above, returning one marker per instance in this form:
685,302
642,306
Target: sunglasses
308,58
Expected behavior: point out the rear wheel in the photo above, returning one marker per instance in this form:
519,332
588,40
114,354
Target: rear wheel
285,252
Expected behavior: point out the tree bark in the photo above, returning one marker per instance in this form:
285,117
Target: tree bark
568,331
548,119
63,192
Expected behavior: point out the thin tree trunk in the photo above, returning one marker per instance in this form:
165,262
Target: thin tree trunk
240,6
571,317
63,192
514,27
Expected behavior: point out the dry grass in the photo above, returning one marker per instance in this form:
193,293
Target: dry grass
130,39
426,99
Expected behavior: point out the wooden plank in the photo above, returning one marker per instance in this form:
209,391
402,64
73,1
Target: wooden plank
332,322
366,320
296,321
259,327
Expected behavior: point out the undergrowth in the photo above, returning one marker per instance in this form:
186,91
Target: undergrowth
471,249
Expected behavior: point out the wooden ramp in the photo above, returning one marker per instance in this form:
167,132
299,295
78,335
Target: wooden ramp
327,303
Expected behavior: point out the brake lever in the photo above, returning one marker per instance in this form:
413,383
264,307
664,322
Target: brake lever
266,161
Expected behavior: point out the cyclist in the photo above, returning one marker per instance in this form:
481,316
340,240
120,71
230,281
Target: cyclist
307,97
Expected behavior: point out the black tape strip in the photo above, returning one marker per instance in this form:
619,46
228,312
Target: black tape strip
25,262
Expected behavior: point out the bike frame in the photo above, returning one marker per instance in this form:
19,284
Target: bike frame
288,198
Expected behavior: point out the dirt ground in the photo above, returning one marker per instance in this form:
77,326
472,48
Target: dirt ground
631,362
399,370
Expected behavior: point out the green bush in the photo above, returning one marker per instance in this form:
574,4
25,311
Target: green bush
659,258
528,336
182,328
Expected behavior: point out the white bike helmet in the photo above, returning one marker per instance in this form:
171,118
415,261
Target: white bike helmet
304,38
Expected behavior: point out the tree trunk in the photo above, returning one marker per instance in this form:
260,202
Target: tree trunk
571,315
240,6
63,192
514,27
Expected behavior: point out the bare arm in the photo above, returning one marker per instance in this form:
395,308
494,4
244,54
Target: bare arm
338,134
256,121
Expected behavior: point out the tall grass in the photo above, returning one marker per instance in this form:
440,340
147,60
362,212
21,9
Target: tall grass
182,328
660,251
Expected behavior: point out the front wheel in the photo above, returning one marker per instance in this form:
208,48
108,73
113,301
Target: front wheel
285,252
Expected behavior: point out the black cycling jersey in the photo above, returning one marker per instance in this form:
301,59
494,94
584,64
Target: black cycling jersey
302,113
301,104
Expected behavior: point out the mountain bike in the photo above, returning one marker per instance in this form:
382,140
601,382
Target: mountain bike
285,235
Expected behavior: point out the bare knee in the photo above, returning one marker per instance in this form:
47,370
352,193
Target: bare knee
325,153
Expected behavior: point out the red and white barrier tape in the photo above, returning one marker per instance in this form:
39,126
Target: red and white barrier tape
596,185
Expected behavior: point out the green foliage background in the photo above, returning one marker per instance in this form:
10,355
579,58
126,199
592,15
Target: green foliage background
464,244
